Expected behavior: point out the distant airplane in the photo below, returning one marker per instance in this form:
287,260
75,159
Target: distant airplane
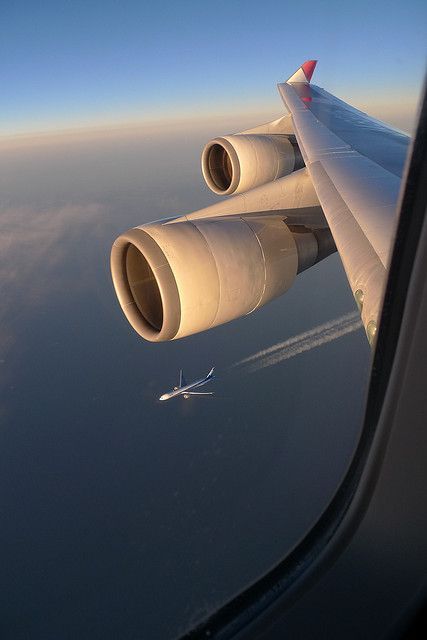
185,389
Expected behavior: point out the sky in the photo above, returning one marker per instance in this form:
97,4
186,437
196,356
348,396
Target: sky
72,64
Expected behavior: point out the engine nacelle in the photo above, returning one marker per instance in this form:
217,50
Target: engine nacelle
236,163
182,277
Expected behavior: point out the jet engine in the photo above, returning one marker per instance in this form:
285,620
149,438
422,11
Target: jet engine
183,276
237,163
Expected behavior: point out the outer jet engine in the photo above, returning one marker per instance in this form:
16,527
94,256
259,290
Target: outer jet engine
237,163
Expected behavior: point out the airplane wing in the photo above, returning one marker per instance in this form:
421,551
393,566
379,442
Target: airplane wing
355,163
199,393
322,178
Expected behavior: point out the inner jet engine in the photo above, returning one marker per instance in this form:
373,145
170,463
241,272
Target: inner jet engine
187,275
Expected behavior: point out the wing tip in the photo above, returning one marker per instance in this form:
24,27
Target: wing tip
308,67
304,73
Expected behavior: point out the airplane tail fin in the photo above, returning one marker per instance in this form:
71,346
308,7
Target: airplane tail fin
304,73
182,380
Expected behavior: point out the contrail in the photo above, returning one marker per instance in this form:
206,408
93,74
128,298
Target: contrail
316,337
306,345
320,329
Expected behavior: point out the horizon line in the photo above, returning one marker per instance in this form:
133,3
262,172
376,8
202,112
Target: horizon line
132,121
168,119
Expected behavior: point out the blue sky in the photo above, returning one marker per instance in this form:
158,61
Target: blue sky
75,63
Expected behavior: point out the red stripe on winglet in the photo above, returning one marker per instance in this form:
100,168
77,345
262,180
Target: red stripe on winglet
308,68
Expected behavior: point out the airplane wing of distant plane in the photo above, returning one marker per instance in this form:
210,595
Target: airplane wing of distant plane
199,393
324,177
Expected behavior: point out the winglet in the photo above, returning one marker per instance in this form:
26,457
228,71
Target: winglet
210,374
304,73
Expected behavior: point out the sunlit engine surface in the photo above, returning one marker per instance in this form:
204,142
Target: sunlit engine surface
124,517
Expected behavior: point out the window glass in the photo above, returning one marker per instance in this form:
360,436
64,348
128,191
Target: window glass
124,516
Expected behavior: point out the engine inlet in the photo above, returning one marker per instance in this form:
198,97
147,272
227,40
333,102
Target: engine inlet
220,167
144,288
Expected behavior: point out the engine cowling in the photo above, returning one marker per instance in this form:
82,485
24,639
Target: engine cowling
237,163
182,277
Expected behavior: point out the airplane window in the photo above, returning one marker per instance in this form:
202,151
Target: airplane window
131,507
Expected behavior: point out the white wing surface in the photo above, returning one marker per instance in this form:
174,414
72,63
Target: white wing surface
355,163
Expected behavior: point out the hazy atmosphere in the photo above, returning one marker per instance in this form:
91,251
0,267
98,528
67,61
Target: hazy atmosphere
127,506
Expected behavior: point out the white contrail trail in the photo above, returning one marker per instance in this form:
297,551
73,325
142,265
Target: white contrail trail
305,345
297,340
